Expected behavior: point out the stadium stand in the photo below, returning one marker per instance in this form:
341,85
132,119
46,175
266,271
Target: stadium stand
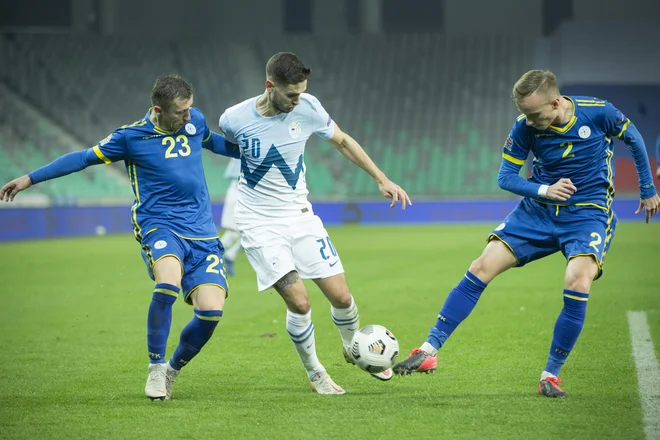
446,144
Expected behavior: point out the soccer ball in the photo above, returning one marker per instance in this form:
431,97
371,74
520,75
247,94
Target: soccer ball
374,348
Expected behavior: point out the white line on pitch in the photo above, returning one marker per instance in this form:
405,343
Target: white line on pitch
648,373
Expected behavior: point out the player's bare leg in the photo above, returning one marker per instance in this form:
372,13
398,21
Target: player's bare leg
495,259
580,273
345,315
301,330
167,274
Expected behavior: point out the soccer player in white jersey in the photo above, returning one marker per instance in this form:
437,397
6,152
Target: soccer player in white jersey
231,239
283,239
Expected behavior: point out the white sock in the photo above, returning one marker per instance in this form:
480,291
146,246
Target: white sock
301,331
546,375
428,349
229,238
233,250
347,321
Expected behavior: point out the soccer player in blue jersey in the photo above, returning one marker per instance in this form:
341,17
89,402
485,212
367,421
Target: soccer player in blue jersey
171,218
567,207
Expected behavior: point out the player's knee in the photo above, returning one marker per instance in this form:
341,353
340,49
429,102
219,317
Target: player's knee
578,281
299,304
342,301
481,269
580,273
208,297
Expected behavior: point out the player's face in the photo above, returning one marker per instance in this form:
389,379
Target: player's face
175,115
285,98
540,110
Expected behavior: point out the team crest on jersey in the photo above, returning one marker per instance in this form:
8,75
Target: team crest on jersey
584,132
190,129
295,129
160,244
105,141
508,143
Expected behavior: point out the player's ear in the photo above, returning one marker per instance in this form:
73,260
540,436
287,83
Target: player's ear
556,103
269,85
158,109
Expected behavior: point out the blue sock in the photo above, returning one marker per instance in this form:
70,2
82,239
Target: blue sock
567,329
194,335
159,320
457,307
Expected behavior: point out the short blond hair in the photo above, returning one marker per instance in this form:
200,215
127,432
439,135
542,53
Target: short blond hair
534,81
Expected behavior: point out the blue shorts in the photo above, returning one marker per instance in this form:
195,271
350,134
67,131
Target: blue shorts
201,260
535,230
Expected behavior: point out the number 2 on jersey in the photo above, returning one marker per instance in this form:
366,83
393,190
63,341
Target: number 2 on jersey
567,151
253,145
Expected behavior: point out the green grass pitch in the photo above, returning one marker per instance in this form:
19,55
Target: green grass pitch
73,355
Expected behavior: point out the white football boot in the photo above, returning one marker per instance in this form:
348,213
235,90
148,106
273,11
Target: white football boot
322,383
170,377
156,382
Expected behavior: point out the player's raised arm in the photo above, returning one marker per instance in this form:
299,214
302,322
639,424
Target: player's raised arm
69,163
351,149
618,125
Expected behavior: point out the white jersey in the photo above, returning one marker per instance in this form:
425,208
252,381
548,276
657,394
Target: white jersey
272,181
233,170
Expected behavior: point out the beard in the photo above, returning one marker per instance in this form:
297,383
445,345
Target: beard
281,107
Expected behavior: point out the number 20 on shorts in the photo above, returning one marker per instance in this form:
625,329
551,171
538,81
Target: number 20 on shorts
328,246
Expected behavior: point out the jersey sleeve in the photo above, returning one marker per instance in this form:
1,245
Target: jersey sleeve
516,146
113,148
615,123
324,126
225,128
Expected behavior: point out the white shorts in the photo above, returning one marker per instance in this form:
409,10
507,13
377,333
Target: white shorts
278,246
229,206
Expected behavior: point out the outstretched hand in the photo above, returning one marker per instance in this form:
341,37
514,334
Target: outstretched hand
9,191
393,191
649,205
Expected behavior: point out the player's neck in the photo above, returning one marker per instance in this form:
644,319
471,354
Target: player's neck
153,117
265,107
566,111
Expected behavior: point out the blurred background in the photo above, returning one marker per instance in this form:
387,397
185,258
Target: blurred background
423,85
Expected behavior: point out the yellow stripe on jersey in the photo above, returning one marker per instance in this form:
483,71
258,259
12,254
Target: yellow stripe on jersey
625,127
593,104
567,127
599,101
513,159
609,196
207,137
132,177
161,131
100,155
521,117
